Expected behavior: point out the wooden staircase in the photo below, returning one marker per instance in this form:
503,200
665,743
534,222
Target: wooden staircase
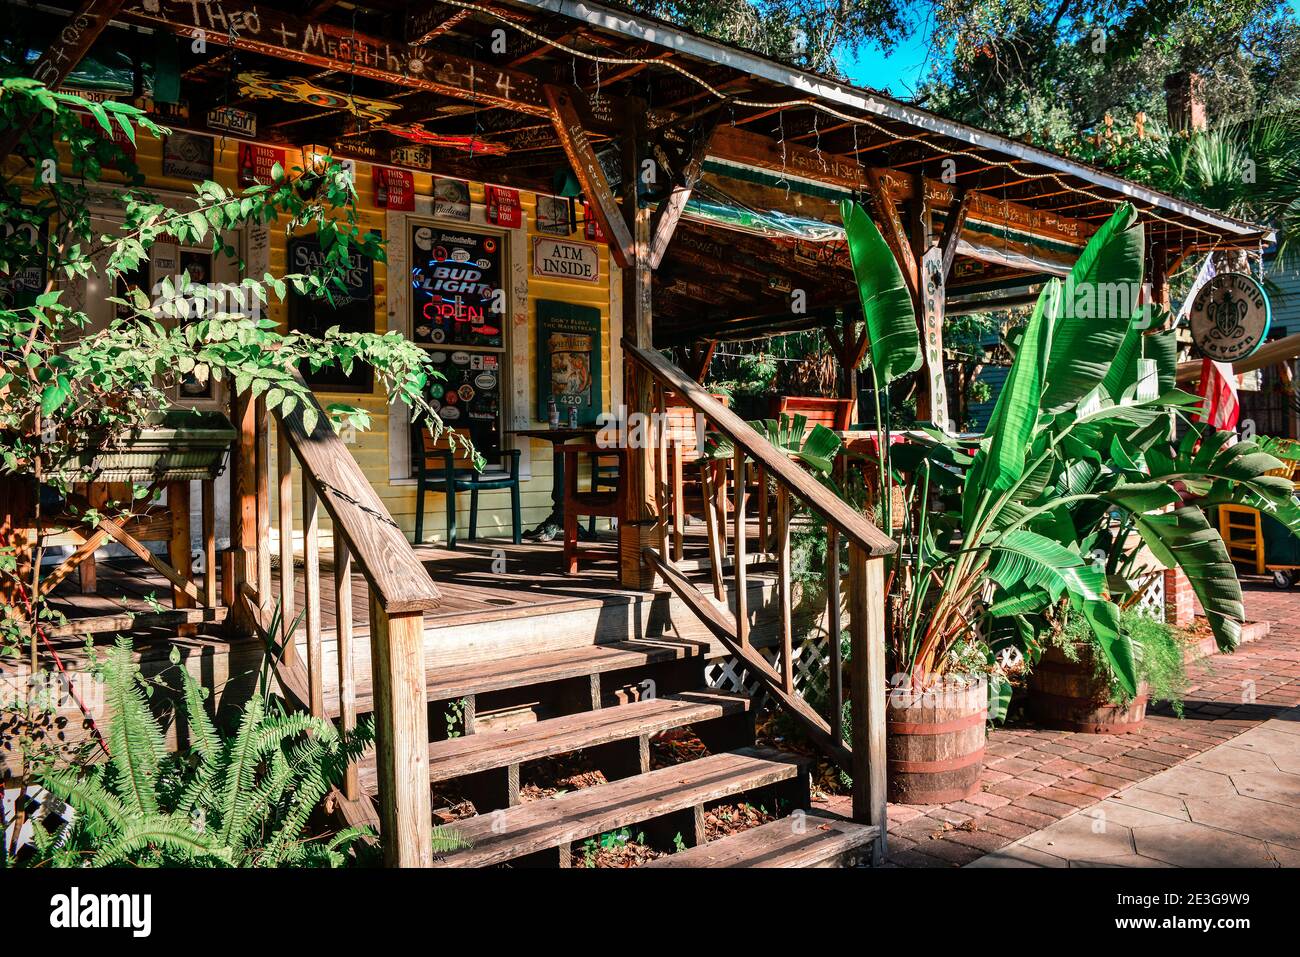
602,702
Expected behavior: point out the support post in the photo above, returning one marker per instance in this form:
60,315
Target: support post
178,546
402,732
243,510
638,527
868,686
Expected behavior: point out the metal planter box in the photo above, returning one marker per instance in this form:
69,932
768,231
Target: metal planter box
177,445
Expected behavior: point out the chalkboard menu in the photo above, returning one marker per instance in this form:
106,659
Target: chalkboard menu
568,360
352,310
468,398
456,293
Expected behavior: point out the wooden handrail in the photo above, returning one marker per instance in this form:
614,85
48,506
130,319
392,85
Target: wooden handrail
378,547
866,545
400,591
851,525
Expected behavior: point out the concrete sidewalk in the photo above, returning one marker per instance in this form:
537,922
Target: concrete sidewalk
1234,805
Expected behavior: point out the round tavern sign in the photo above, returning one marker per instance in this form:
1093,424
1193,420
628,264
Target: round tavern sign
1230,317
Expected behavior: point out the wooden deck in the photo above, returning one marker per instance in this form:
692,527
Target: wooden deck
481,582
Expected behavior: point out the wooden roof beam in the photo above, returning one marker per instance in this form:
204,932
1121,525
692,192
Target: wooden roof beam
669,213
270,32
586,166
70,46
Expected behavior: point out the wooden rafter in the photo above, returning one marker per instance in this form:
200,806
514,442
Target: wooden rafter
951,235
669,213
265,30
429,24
69,47
894,232
586,166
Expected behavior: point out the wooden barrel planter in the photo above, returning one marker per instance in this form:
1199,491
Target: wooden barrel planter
1071,696
935,743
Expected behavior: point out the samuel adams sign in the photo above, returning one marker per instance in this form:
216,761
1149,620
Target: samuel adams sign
1230,317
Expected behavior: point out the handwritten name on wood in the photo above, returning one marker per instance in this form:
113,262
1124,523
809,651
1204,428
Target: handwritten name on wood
270,32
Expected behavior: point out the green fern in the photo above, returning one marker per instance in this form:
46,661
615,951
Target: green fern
242,800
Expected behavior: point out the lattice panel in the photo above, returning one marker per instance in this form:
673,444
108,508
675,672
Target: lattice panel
1152,603
810,661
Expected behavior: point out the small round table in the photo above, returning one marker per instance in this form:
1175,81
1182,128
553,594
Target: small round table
553,524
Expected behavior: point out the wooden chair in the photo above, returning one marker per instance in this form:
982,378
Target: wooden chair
693,478
1242,530
605,472
833,413
437,471
596,501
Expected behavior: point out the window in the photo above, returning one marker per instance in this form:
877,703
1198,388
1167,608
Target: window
458,312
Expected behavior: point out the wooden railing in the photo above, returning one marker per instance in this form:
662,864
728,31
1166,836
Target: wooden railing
366,537
864,757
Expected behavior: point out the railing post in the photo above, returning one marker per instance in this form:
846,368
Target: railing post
742,581
868,689
402,729
243,510
835,631
343,648
263,491
311,597
783,576
284,508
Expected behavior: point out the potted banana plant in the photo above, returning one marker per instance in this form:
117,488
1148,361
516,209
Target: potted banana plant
1074,471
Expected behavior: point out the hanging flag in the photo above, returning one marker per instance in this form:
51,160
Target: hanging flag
503,206
1219,389
593,229
1206,273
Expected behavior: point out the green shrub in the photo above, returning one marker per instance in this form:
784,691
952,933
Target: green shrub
1157,652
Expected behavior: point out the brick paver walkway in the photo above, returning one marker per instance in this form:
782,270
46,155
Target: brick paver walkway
1034,777
1235,805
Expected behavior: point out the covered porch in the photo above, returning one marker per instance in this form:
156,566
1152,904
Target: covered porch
708,180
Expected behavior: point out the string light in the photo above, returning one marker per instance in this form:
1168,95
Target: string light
781,105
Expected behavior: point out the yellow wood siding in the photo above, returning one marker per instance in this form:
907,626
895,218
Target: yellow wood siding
371,448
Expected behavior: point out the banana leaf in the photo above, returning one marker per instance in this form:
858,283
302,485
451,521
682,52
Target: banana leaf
1011,427
1185,539
1025,558
1103,617
893,338
1085,341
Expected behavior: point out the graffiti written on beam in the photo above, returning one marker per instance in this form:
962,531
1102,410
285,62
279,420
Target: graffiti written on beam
272,33
990,209
753,149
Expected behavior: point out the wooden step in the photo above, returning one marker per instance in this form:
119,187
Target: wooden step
813,839
472,753
559,822
443,684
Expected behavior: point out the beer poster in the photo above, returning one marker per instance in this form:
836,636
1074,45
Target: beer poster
568,360
352,310
456,293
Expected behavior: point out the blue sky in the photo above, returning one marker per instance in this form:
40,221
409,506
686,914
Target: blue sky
901,71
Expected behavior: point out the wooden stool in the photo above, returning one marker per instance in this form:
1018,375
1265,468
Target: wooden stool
607,503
